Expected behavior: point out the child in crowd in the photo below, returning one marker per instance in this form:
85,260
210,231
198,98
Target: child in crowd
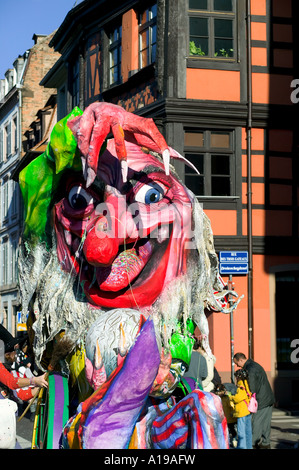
228,408
241,412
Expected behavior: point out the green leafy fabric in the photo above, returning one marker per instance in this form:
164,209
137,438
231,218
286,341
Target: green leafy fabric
41,178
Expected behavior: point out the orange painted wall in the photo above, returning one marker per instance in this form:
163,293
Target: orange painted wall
220,323
259,56
222,222
258,222
257,139
270,222
261,313
271,88
257,165
258,31
260,87
258,7
258,193
219,85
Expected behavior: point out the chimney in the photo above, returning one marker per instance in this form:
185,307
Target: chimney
38,38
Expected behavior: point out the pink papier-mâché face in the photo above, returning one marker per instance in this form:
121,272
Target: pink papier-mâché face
125,241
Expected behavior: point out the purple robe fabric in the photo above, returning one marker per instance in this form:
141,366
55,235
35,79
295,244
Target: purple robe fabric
111,423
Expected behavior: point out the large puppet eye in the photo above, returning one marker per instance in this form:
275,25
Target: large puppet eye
79,199
150,193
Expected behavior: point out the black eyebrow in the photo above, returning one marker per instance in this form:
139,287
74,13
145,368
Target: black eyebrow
138,175
98,185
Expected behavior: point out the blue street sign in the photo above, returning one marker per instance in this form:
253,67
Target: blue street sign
233,262
231,268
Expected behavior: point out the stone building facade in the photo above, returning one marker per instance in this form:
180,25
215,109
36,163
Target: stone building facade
21,96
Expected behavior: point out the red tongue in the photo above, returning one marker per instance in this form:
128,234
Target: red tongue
124,269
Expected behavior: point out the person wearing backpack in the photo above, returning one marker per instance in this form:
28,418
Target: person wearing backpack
259,384
241,412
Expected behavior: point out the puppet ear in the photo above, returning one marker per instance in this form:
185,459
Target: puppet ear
176,155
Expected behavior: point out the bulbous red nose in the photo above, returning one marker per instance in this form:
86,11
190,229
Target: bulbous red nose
100,246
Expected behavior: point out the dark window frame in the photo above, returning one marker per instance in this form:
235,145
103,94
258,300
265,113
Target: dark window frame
115,45
208,152
211,15
75,82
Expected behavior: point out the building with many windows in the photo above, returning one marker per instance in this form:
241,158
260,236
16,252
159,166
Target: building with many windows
20,98
216,77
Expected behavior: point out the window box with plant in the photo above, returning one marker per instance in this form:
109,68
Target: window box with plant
212,29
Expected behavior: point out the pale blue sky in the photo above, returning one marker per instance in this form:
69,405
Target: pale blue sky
21,19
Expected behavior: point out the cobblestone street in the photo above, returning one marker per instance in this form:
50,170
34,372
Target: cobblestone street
285,429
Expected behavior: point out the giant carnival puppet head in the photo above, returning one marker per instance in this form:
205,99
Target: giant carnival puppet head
111,238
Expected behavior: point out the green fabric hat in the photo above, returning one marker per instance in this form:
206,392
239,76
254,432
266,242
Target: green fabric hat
40,179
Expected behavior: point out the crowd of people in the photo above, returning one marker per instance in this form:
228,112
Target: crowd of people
18,383
247,430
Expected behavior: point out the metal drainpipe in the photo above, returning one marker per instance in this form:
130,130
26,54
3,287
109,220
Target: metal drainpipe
249,184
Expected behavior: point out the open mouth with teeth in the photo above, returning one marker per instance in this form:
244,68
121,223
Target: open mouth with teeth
136,276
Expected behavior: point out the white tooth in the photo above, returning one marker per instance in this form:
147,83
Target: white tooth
90,177
83,160
124,170
68,237
166,158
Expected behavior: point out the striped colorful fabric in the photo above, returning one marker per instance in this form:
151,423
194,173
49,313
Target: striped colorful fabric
195,422
58,408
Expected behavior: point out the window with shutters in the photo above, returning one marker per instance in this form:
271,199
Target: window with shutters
5,198
14,198
147,35
15,134
1,146
4,261
14,256
8,140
